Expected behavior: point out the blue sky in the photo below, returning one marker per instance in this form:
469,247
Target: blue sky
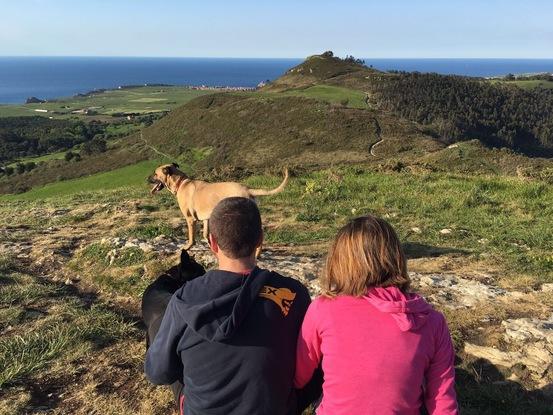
284,28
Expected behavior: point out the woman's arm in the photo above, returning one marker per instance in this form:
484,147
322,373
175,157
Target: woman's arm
308,351
440,397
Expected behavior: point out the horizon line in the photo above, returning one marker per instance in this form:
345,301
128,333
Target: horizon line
261,57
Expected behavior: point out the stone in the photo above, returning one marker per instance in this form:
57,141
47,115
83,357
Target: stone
527,329
547,287
494,356
416,229
445,231
146,247
456,292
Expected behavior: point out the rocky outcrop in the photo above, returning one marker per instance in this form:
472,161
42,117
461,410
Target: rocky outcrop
34,100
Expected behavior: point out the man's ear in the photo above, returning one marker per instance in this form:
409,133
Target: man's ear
260,240
213,243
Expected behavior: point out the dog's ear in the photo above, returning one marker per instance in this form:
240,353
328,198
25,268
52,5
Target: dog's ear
167,170
175,165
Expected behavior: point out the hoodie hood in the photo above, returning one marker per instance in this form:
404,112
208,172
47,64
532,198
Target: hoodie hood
410,311
215,305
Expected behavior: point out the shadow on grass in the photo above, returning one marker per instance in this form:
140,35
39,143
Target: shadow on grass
483,389
415,250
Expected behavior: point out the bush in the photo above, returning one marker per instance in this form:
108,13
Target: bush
20,168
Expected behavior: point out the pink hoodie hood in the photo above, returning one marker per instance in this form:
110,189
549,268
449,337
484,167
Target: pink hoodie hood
410,311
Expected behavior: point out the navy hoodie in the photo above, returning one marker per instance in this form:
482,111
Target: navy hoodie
231,339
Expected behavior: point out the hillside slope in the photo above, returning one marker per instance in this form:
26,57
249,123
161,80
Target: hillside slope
258,131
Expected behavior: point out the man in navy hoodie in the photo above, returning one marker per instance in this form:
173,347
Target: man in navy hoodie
230,335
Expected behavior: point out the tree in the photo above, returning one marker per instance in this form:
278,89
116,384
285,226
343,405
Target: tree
69,156
95,146
30,166
8,170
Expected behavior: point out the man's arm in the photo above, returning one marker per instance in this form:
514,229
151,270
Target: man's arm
163,364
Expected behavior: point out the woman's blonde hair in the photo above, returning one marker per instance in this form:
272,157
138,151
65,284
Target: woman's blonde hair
365,253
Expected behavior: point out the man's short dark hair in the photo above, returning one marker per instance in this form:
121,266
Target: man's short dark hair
236,225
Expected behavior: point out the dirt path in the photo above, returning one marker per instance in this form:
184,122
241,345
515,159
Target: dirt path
380,139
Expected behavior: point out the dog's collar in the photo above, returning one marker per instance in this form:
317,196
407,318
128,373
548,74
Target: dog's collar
181,180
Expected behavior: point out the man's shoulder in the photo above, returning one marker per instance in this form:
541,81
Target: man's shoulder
206,287
281,281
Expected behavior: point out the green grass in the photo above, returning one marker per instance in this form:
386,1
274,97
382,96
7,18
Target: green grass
504,220
332,94
66,330
47,157
337,95
151,230
140,100
133,176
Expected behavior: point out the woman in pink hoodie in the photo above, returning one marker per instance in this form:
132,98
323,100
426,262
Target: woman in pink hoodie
383,349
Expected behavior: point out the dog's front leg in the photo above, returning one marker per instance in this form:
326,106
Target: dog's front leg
190,224
206,229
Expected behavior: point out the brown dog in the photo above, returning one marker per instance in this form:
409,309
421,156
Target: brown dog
197,198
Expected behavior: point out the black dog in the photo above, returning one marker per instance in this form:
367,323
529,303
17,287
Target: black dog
157,296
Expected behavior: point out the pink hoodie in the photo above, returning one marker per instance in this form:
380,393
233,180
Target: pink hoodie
385,353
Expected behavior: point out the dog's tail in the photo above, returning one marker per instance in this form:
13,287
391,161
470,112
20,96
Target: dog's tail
280,188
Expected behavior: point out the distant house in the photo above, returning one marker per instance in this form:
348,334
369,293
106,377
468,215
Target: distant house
40,110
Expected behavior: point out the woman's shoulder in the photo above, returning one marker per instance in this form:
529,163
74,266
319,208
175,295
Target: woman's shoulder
323,303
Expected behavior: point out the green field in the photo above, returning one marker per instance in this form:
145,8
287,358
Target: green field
332,94
46,157
126,177
141,100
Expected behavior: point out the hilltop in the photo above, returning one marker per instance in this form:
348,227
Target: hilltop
324,68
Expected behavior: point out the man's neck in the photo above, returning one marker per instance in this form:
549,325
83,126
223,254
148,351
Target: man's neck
238,266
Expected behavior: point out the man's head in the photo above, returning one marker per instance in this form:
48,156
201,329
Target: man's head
235,227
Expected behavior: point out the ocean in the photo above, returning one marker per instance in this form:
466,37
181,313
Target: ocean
54,77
